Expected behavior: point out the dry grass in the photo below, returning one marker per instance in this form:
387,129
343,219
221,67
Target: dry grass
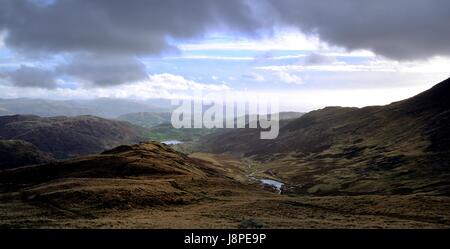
224,200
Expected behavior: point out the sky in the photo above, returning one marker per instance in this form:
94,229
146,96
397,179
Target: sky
310,54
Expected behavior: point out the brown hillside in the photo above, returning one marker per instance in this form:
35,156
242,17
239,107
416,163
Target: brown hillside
65,137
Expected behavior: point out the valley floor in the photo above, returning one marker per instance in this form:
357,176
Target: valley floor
232,212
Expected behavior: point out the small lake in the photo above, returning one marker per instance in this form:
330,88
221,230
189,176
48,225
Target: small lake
273,183
276,184
171,142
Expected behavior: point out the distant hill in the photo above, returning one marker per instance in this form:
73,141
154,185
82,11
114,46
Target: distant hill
290,115
403,147
41,107
146,119
65,137
112,108
103,107
16,153
167,132
160,128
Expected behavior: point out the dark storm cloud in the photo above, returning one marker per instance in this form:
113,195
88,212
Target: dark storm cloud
126,27
104,71
400,29
27,76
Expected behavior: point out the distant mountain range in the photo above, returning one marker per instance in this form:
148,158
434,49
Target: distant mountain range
152,119
403,147
102,107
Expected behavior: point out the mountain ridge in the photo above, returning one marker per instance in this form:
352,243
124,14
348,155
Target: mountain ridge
102,107
402,147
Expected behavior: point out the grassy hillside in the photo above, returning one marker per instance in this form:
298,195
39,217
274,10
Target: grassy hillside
167,132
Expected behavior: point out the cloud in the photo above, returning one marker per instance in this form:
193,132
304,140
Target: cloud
118,27
154,86
253,76
2,38
104,71
318,59
335,67
176,82
100,73
34,77
434,65
401,29
289,78
209,57
104,37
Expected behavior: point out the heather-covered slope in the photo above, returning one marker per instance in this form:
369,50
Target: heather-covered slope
16,153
